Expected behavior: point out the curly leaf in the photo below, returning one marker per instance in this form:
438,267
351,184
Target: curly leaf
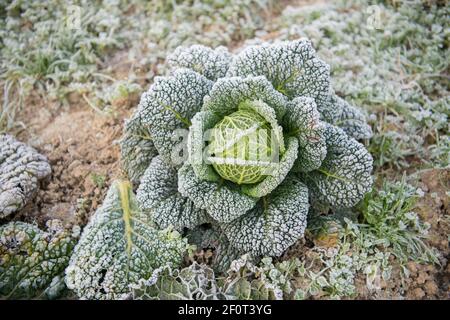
213,64
158,194
21,168
351,119
137,149
118,247
228,93
345,174
279,171
223,200
31,259
170,104
291,66
276,222
201,123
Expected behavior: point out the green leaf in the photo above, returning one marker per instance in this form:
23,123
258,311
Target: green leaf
227,94
345,174
158,194
119,246
170,104
31,259
292,67
276,222
222,200
279,171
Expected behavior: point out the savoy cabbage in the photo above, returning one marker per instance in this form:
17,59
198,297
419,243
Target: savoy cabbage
119,246
246,143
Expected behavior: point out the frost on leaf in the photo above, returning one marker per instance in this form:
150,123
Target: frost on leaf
170,104
210,236
213,64
291,66
279,171
32,260
302,121
276,222
350,119
118,247
228,93
137,149
246,187
158,195
196,143
196,282
21,168
345,174
222,200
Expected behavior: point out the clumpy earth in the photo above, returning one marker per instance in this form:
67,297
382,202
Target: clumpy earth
81,144
82,148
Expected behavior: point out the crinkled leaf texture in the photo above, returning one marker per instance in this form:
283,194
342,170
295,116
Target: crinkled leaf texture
196,282
345,174
170,104
21,168
137,149
242,281
213,64
292,67
158,194
32,260
339,112
274,224
302,121
286,86
119,246
223,200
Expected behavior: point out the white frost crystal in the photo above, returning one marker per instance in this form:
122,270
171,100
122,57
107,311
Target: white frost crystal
21,168
32,260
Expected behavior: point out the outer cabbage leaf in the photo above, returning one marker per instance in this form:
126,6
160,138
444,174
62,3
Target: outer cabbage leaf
170,104
228,93
276,222
31,259
291,66
269,115
213,64
279,172
210,236
345,174
158,194
223,200
350,119
21,168
302,121
137,149
118,247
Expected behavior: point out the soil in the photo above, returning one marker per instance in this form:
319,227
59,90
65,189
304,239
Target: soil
82,148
